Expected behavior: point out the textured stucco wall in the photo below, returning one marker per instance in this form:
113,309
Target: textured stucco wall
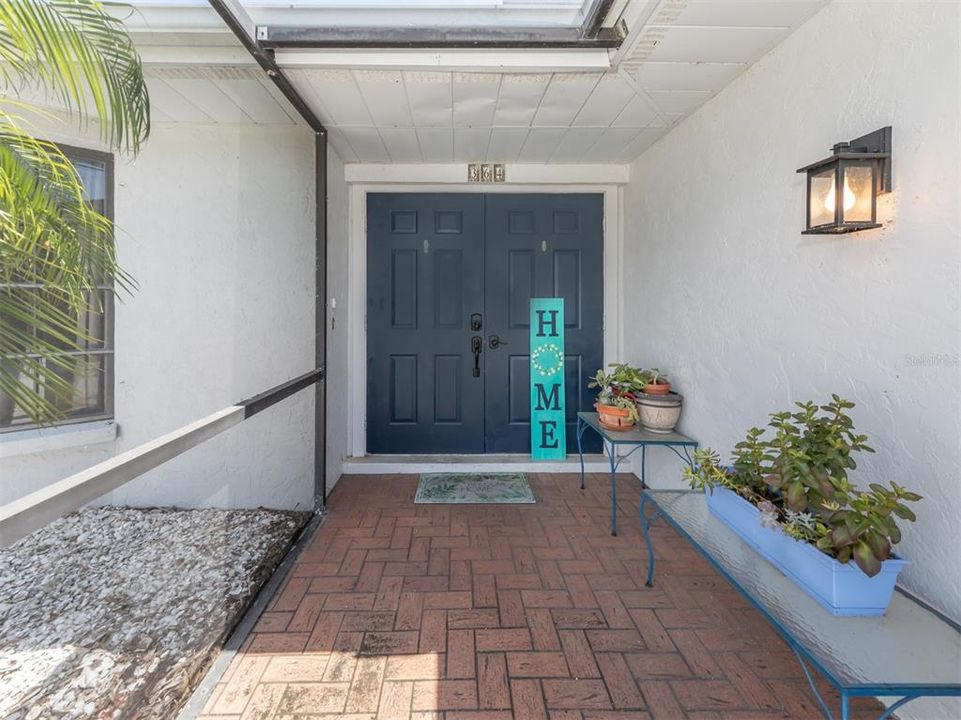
748,315
337,377
218,230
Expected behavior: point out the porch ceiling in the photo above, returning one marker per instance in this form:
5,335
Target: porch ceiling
511,106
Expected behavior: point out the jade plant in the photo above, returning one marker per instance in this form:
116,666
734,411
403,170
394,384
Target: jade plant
797,476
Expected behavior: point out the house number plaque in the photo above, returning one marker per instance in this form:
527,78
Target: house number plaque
548,430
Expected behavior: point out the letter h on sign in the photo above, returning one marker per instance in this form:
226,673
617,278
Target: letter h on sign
548,431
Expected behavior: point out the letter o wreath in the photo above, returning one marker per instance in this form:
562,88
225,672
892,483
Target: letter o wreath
547,359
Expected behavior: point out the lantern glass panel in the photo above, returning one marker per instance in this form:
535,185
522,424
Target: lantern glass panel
858,193
821,197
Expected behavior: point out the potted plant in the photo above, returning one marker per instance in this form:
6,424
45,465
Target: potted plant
788,496
655,383
658,407
617,398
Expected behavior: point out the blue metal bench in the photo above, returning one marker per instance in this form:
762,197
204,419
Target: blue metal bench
910,652
637,439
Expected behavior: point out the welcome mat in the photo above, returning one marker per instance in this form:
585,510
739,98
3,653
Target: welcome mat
494,488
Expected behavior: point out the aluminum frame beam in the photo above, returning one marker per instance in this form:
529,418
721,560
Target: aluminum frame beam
288,37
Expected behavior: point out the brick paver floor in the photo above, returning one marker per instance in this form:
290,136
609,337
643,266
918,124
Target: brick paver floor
490,612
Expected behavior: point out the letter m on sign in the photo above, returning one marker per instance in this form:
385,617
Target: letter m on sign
548,431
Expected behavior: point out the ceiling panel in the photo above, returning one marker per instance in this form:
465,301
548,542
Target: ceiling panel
575,144
685,76
564,98
342,101
401,144
506,143
367,144
611,145
343,149
519,97
206,96
436,144
172,103
747,13
475,98
541,144
646,138
712,44
610,96
256,101
470,144
429,95
679,102
385,96
639,112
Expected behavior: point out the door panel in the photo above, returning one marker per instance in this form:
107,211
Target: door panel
425,257
433,261
541,246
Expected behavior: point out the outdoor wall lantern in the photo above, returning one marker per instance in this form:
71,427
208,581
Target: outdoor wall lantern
842,189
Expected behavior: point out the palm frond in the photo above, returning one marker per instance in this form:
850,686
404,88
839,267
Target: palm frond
83,55
56,252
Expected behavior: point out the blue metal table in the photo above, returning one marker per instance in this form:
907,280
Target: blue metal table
640,439
910,652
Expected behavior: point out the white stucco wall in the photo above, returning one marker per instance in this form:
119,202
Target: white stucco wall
748,316
218,230
338,379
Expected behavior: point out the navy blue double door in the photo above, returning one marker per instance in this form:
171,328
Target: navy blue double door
449,279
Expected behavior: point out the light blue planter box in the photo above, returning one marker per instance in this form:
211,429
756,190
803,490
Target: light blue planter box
842,588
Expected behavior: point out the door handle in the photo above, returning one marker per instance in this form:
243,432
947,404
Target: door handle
476,345
495,342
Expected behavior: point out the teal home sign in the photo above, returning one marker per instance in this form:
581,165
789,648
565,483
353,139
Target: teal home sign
548,431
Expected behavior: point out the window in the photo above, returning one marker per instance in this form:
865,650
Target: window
91,375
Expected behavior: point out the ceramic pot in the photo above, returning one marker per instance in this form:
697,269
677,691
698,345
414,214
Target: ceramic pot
659,413
613,418
661,388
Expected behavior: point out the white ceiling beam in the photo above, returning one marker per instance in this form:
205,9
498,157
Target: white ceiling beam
507,61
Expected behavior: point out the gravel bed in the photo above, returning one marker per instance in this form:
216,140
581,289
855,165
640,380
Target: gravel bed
116,612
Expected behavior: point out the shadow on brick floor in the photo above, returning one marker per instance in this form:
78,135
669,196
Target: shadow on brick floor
492,612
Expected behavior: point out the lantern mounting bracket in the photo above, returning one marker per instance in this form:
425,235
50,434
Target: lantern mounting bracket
874,145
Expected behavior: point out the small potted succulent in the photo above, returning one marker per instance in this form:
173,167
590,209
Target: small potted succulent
789,497
659,409
655,383
617,396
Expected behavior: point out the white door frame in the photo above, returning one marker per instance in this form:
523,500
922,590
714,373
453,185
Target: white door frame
436,179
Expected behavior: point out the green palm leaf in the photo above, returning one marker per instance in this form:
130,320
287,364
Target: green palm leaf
55,249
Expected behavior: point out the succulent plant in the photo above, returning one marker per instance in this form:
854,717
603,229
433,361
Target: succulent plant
802,472
622,381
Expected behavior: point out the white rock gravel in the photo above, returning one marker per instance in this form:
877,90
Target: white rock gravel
116,612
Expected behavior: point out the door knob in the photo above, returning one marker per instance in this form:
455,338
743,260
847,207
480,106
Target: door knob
495,342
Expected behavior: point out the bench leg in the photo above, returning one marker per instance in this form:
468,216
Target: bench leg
581,426
814,689
613,489
894,706
646,530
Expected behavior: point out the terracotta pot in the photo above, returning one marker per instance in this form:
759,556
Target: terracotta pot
613,418
661,388
659,413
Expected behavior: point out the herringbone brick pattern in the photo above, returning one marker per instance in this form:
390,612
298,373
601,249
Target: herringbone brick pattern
441,612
